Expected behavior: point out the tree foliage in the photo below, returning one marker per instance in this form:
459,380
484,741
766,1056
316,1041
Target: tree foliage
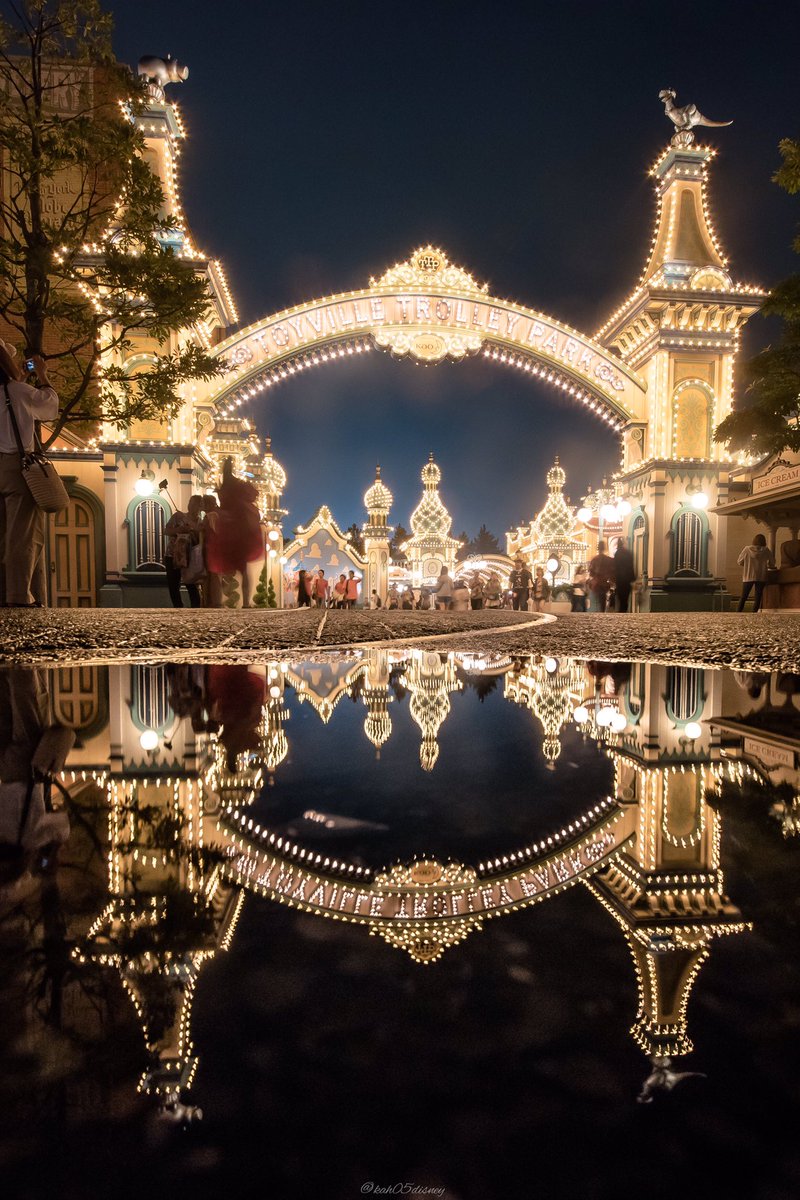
82,279
399,536
769,421
356,538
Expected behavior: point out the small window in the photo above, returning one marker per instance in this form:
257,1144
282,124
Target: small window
148,536
688,544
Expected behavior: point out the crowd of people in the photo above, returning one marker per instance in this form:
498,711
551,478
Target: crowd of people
217,536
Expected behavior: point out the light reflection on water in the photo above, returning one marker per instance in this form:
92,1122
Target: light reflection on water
413,795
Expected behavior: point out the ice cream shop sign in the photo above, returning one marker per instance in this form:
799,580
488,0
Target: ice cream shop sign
431,311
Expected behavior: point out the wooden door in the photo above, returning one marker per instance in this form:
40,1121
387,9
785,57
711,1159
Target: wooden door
73,582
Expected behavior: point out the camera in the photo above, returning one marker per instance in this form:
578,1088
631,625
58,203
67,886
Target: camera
29,364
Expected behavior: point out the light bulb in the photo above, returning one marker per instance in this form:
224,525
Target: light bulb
551,665
693,729
618,722
145,486
581,715
275,692
584,514
608,512
605,717
273,535
552,565
699,500
623,507
149,739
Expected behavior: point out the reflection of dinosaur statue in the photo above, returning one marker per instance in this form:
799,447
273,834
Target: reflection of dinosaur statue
685,119
663,1079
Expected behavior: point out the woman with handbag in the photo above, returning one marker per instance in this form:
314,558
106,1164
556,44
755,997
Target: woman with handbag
21,518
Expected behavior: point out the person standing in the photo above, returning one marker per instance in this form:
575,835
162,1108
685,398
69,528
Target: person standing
235,537
182,532
624,574
21,519
303,589
520,583
540,592
444,589
601,577
339,590
459,601
375,600
579,586
351,594
476,593
755,560
493,591
319,594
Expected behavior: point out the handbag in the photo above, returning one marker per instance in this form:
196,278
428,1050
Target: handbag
42,479
195,569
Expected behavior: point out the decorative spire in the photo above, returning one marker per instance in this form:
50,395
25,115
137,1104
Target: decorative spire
273,476
378,498
556,520
430,518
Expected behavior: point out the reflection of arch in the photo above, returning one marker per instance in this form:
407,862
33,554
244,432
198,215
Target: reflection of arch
426,906
689,533
430,310
692,419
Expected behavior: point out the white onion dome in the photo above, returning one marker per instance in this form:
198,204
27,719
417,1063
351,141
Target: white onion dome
273,476
556,478
378,498
430,519
430,474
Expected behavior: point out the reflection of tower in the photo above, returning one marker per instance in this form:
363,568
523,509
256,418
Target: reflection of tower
376,696
667,893
270,479
549,689
431,547
273,743
377,501
430,678
169,911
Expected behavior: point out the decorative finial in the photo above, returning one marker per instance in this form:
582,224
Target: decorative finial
378,471
269,444
158,72
685,119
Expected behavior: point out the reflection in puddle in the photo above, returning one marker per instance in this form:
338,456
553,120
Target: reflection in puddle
413,794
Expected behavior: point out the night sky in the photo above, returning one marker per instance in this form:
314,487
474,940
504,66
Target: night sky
327,141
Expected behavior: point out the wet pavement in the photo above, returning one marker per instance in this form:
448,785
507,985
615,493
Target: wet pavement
769,641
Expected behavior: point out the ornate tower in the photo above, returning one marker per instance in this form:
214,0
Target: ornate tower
270,479
377,501
679,329
431,546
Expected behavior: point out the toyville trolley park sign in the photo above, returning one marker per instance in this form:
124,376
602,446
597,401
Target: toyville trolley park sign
430,311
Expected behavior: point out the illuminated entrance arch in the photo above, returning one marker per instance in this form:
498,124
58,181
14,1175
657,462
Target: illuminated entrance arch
429,310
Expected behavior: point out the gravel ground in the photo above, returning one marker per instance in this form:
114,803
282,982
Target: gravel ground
61,636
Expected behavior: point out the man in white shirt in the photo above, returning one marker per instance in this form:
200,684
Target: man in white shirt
21,521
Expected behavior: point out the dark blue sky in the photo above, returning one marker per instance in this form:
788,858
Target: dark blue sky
327,141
